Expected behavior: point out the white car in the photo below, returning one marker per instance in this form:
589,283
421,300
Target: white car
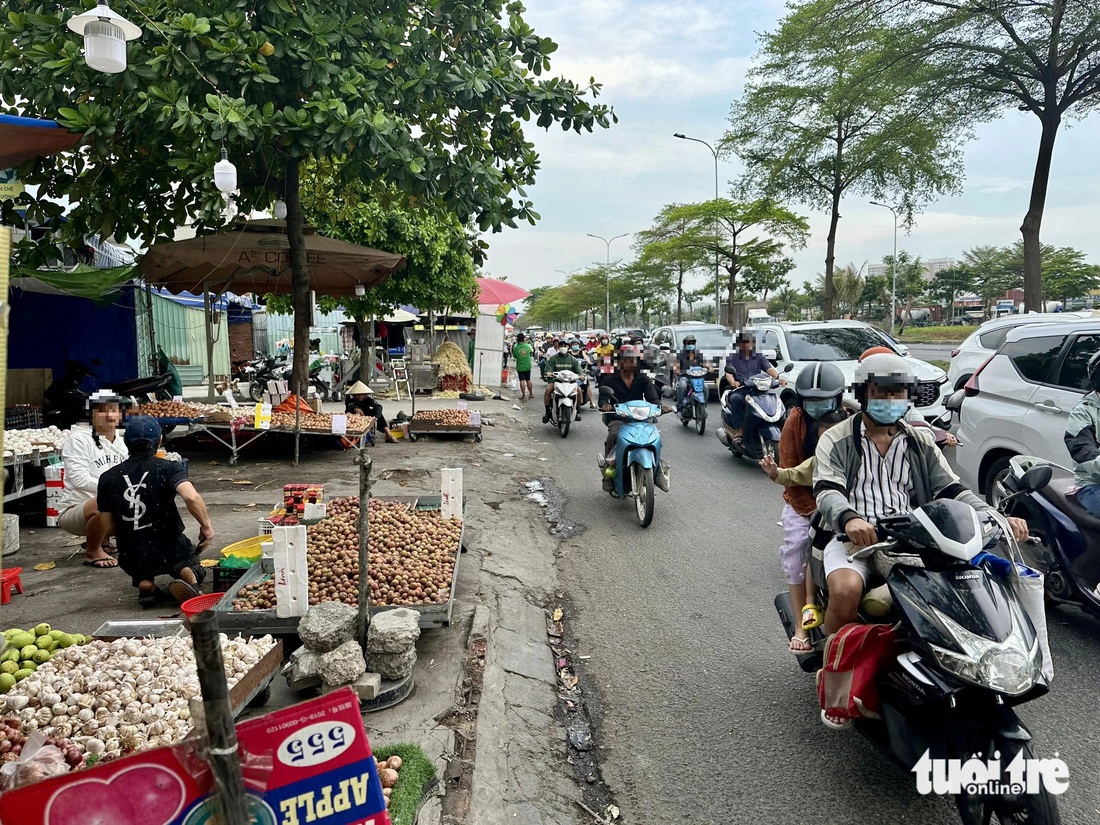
980,345
797,344
1019,401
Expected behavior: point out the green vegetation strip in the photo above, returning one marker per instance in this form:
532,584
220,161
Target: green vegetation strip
417,772
945,334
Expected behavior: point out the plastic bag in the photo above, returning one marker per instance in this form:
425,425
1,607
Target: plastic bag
37,761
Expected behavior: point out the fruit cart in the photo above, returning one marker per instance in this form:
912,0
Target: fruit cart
263,621
420,425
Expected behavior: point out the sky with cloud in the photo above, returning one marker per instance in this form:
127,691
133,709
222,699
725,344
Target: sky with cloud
675,66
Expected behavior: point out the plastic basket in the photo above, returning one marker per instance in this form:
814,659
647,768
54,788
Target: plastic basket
266,526
249,548
451,383
193,607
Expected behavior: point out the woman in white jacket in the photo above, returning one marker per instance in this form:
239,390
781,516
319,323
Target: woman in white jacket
87,454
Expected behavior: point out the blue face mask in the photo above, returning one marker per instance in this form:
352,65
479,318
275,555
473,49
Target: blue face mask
690,347
816,409
887,410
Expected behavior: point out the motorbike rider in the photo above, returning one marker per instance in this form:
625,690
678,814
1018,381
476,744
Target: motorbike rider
1082,443
582,359
914,415
628,383
746,362
686,359
560,360
605,349
872,465
820,388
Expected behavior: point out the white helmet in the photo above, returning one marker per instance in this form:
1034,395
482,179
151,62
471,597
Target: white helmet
883,371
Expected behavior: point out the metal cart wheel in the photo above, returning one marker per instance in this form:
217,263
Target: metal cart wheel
261,698
412,437
477,438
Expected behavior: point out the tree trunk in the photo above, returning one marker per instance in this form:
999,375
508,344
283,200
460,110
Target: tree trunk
830,258
680,296
299,269
1033,255
365,354
732,283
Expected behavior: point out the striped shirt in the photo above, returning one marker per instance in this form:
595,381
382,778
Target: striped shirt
884,484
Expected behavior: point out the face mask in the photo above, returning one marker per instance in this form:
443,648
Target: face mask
690,347
563,351
604,342
887,410
816,409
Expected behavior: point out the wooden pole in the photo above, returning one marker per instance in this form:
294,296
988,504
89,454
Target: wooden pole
365,462
221,735
5,257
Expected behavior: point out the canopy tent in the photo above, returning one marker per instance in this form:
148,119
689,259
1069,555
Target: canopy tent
23,138
494,292
255,257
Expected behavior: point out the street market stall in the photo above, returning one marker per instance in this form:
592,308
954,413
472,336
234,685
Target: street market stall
445,422
27,454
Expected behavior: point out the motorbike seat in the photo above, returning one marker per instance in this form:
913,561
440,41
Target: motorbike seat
1055,493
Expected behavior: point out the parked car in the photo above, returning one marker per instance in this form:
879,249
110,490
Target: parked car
980,345
1018,402
800,343
713,341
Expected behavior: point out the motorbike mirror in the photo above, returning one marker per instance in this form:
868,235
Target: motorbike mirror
955,400
606,394
731,371
1036,478
789,367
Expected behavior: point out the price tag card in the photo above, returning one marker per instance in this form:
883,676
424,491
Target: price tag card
178,399
263,417
232,399
151,397
475,419
461,405
339,425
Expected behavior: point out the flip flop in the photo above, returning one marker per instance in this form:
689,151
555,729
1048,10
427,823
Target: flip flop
834,724
814,617
101,564
807,648
182,591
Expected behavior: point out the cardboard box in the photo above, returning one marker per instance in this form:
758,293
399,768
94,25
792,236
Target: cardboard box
307,763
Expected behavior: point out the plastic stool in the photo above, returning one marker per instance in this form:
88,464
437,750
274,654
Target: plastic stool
9,580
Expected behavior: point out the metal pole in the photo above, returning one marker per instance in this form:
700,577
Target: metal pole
221,735
893,268
365,462
607,274
717,270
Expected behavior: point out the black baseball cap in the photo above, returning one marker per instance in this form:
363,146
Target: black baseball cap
142,429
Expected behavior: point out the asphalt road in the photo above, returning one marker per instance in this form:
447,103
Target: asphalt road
704,716
931,352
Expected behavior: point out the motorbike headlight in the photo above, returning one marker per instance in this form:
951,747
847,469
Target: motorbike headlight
639,413
1007,667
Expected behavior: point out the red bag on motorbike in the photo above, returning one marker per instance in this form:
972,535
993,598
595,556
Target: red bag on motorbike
854,657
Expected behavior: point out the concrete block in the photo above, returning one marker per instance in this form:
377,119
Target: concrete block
343,665
11,534
392,665
327,626
367,686
393,631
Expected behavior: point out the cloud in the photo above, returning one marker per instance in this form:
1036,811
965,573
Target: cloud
997,185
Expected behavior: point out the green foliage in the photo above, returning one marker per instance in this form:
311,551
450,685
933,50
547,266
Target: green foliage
670,243
416,774
827,115
948,284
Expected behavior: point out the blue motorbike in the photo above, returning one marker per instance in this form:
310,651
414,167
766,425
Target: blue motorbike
762,420
695,404
635,468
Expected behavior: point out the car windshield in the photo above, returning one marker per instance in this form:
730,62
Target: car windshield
832,343
710,338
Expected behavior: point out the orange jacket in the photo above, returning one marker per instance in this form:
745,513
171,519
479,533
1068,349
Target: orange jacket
791,440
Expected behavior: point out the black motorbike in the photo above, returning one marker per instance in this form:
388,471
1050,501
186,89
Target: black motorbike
267,369
66,403
970,652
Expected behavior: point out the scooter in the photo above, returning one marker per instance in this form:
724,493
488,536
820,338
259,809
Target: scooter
66,402
695,404
564,400
1065,537
635,467
762,422
269,369
970,653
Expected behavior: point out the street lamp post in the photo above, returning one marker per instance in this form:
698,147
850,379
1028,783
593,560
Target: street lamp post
893,268
607,274
717,293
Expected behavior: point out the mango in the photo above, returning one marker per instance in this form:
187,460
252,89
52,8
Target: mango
28,665
42,656
7,682
47,643
66,640
20,675
42,629
10,655
21,639
9,633
57,634
9,667
28,651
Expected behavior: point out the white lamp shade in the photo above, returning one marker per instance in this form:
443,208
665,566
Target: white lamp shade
104,47
279,211
79,22
225,175
360,290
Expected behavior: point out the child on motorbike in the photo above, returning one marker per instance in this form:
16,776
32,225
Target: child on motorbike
1082,443
820,387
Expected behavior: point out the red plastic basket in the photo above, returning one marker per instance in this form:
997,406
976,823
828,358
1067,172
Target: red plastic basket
452,383
193,607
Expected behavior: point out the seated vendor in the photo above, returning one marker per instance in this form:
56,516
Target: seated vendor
137,502
360,401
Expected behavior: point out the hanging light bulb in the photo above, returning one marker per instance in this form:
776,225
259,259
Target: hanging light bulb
279,211
105,35
225,174
360,290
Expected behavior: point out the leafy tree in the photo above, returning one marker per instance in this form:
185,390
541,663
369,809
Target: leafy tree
672,242
647,282
827,115
910,282
948,284
763,277
786,303
1065,272
848,284
429,97
1039,56
876,296
993,272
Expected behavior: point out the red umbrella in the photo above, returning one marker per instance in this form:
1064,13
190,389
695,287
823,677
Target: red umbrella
499,292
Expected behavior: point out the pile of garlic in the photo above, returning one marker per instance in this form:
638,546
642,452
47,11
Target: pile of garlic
24,442
116,697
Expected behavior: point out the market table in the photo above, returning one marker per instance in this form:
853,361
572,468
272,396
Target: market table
235,437
17,466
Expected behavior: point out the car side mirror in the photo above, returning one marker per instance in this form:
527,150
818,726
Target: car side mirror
665,348
954,401
1036,478
903,350
770,354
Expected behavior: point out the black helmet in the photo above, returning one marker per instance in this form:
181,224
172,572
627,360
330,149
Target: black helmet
820,381
1094,372
689,339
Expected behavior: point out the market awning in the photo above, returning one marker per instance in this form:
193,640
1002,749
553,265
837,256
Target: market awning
23,138
255,257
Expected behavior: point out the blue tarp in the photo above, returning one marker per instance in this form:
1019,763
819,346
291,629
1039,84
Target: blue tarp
189,300
47,329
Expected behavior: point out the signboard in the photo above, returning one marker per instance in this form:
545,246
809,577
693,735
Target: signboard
339,425
451,493
10,185
307,763
263,417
